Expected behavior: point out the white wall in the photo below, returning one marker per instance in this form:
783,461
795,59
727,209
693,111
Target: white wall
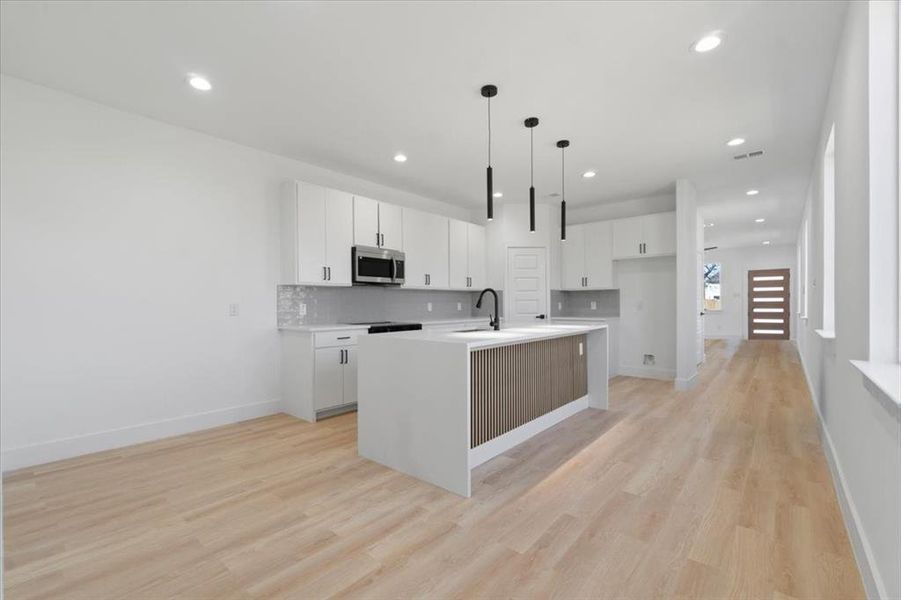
733,319
687,284
647,305
122,242
861,428
621,210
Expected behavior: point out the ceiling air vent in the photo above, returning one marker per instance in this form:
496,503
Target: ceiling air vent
754,154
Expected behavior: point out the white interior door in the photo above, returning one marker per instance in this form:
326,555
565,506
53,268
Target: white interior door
526,288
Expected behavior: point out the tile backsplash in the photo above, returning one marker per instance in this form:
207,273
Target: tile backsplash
578,303
373,303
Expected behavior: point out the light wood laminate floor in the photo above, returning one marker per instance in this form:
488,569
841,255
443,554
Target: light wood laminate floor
719,492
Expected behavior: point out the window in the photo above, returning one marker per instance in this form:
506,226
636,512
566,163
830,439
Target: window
829,233
713,299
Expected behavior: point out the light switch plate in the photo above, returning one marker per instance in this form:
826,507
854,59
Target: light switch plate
594,305
559,306
459,306
428,306
302,309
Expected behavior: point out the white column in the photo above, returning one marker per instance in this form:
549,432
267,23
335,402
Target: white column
686,284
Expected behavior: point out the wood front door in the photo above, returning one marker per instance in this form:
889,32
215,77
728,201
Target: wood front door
769,304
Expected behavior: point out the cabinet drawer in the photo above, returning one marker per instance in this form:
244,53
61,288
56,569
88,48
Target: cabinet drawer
328,339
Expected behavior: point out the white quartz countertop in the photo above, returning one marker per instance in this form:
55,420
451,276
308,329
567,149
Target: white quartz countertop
487,338
348,327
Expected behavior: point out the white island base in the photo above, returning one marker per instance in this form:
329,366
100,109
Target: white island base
435,405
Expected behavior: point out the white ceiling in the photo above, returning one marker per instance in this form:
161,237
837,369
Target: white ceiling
347,85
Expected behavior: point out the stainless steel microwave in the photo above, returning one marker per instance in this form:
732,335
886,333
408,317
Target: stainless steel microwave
377,266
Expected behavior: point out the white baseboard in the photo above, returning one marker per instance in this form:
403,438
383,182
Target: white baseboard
502,443
37,454
646,372
863,552
683,384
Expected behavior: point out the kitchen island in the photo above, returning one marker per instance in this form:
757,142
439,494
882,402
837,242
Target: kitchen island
436,404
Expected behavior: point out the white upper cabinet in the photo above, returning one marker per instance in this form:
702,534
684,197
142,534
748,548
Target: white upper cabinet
458,259
391,226
466,255
587,257
573,258
647,235
660,234
316,235
478,261
599,255
628,237
377,224
426,246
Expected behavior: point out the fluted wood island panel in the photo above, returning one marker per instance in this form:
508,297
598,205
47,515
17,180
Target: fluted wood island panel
512,385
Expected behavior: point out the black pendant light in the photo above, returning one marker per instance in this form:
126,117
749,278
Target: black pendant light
489,91
531,123
563,144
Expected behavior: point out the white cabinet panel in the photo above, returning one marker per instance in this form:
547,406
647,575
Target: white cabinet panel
366,221
659,234
458,258
329,378
391,226
426,249
573,258
310,233
627,237
599,255
350,375
339,236
477,258
317,235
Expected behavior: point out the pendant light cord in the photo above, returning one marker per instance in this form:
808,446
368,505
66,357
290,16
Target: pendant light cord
532,156
489,131
563,174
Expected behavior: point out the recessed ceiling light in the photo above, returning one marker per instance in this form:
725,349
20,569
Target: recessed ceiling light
735,142
400,158
588,174
199,82
707,43
761,220
498,194
752,192
766,243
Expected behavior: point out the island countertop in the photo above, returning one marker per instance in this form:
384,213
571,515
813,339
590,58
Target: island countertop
488,338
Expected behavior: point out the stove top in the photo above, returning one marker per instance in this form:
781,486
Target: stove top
389,326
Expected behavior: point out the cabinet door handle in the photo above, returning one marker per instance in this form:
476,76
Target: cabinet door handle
340,357
382,235
329,273
586,281
323,273
378,240
344,337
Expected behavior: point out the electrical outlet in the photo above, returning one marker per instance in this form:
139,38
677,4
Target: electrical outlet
301,309
459,306
559,306
233,309
581,349
594,305
428,306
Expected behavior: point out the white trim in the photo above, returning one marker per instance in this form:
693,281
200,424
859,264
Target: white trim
885,377
44,452
826,334
684,384
863,553
485,452
646,372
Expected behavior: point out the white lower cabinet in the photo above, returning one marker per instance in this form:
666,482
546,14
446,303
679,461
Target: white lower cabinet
319,372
